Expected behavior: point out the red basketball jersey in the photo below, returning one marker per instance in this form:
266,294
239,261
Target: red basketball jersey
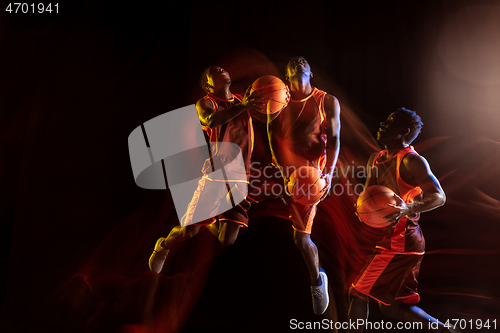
238,130
302,134
405,235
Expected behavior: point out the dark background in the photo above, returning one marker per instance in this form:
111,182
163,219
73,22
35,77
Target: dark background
75,84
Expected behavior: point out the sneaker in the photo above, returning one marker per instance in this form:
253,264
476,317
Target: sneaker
320,294
158,257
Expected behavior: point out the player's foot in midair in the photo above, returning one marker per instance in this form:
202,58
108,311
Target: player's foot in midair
320,294
158,256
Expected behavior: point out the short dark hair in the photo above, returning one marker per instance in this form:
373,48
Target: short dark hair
411,120
204,78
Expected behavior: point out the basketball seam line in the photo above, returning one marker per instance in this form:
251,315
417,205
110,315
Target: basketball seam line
271,99
307,189
374,211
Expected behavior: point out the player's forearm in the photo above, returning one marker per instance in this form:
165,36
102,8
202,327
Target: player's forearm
430,202
272,144
333,135
332,154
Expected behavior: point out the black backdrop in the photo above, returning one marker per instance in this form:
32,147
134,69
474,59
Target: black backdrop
76,83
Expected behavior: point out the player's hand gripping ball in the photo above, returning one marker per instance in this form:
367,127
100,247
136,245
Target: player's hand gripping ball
375,203
274,94
306,185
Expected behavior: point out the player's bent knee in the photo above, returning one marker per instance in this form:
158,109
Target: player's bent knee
302,240
390,310
227,240
355,294
189,231
229,233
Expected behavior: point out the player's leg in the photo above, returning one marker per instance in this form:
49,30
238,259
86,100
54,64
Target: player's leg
228,232
309,253
201,209
360,294
318,278
179,234
407,312
232,220
359,309
214,228
303,216
403,308
163,245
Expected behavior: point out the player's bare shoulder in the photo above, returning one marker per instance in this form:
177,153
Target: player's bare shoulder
332,106
372,174
371,159
203,104
415,168
415,162
205,108
332,113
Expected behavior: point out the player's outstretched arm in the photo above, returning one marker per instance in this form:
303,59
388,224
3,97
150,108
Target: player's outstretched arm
274,130
210,118
332,111
371,172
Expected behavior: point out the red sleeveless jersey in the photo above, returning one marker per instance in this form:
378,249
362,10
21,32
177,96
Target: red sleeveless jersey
302,134
405,236
238,130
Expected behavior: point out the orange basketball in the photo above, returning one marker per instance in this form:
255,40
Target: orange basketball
306,185
273,92
373,204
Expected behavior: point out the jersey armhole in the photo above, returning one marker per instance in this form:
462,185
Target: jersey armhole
322,104
398,170
214,103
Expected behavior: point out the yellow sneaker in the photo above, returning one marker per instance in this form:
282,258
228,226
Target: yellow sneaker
158,257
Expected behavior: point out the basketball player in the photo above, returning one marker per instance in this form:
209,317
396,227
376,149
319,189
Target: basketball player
391,276
225,117
306,133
